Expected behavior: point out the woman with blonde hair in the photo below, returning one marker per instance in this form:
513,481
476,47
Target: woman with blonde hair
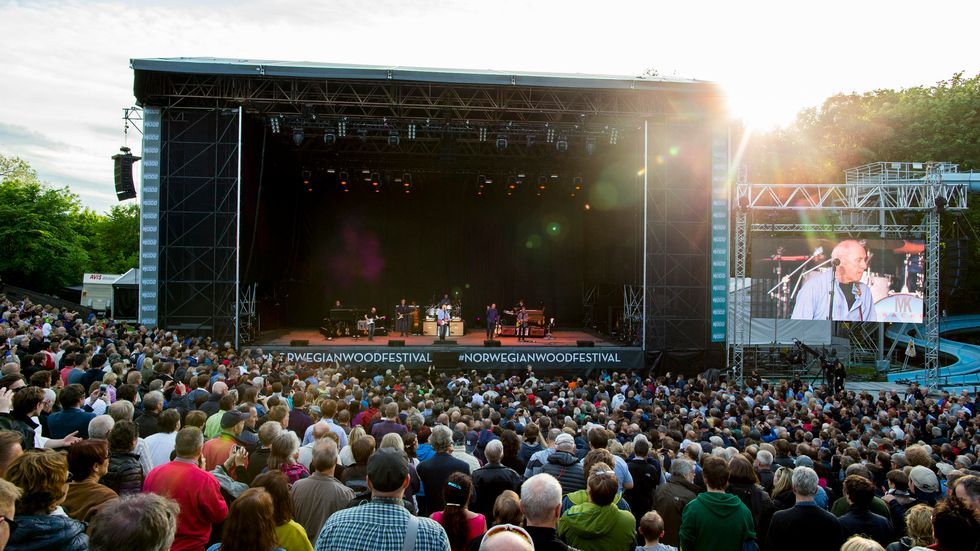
857,543
41,524
918,529
346,455
782,489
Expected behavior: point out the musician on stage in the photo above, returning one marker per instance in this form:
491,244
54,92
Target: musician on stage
492,318
371,318
402,318
522,319
443,317
445,301
852,300
340,327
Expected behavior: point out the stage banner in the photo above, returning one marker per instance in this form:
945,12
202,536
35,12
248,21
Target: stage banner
541,359
150,218
719,235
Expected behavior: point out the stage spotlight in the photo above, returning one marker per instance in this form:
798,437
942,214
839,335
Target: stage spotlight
329,138
123,172
307,175
375,180
530,140
342,128
550,135
298,136
411,131
483,134
344,179
393,138
274,123
613,136
542,183
501,143
561,145
577,183
590,146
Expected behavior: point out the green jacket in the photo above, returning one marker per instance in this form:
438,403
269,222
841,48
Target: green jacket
589,527
715,522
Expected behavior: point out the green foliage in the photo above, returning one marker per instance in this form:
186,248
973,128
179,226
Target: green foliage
47,240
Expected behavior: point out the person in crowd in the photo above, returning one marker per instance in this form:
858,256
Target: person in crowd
744,484
347,452
355,476
283,455
217,449
390,423
507,509
512,446
148,421
320,495
507,537
858,543
142,521
878,506
125,473
10,448
9,494
42,478
531,443
160,445
72,419
541,502
356,528
565,466
822,529
645,471
599,439
493,479
651,529
462,525
716,519
289,533
859,520
763,468
782,489
195,490
598,524
250,525
436,471
461,447
955,526
918,529
258,459
88,462
923,489
299,419
671,498
967,488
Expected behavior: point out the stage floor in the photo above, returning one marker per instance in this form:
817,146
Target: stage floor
560,338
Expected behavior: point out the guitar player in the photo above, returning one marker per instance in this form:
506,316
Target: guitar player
402,318
443,316
371,318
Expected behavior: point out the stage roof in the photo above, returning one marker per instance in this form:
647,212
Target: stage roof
317,70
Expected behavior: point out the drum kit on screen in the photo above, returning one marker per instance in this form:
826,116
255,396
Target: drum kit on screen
893,302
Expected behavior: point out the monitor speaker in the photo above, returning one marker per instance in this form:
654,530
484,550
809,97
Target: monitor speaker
396,342
585,344
299,342
447,341
491,343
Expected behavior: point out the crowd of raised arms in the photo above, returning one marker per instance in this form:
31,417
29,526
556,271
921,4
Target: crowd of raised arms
131,438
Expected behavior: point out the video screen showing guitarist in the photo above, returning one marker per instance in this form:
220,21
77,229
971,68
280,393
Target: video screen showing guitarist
403,314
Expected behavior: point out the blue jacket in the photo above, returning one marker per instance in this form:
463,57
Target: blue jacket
37,532
65,422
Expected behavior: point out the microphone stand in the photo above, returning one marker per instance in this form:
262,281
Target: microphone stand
796,287
833,289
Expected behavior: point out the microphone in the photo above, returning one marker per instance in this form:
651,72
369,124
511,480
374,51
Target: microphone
818,251
836,262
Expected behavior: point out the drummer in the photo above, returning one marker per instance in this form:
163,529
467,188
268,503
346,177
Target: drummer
852,299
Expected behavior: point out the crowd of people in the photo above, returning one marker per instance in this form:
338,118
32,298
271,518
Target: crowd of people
127,437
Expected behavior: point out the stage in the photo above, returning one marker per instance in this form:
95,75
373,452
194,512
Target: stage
567,352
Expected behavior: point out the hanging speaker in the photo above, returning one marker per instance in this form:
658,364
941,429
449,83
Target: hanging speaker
123,172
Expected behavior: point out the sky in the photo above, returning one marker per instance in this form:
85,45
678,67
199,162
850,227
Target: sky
66,76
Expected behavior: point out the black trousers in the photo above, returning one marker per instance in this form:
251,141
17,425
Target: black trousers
402,326
491,325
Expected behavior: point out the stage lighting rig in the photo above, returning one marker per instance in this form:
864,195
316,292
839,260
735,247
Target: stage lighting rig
274,124
298,136
530,140
614,136
550,135
393,138
411,131
376,182
342,128
483,134
344,181
501,143
407,182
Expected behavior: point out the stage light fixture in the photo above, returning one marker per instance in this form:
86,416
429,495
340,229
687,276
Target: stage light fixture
307,175
411,131
614,136
483,134
542,183
274,124
530,140
342,128
577,183
344,178
481,181
329,138
550,135
375,180
562,144
590,146
501,143
393,138
298,136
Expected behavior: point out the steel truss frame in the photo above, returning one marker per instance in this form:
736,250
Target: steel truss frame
875,199
198,247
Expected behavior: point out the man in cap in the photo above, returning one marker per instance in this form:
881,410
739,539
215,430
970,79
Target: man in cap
357,528
923,488
565,466
217,450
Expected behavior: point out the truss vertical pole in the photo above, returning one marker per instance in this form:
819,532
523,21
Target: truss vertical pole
238,232
932,365
646,231
739,310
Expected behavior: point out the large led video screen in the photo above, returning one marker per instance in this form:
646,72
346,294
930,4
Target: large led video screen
879,280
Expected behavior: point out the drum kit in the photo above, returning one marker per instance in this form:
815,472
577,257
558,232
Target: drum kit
456,312
893,302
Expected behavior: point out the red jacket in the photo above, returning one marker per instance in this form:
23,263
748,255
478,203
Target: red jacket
199,496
